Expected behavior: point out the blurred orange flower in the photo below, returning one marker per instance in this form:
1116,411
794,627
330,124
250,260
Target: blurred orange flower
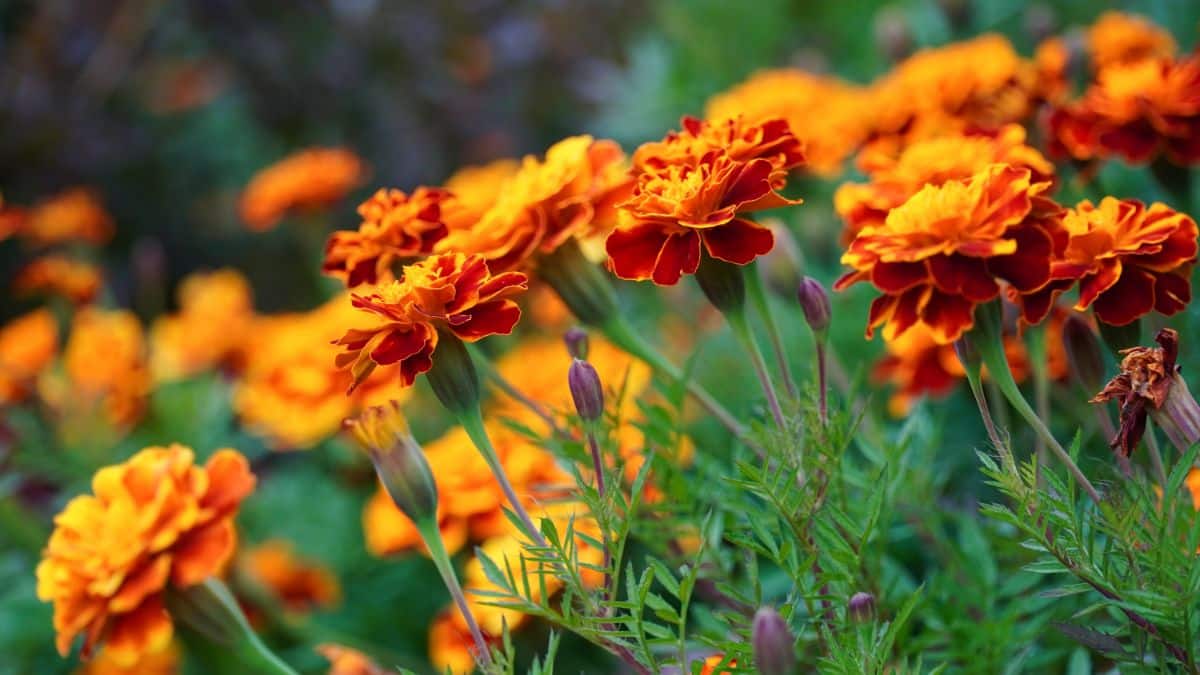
72,279
450,645
347,661
894,179
475,189
307,180
1117,39
712,665
692,190
155,520
216,312
105,368
946,249
1129,259
572,192
163,660
395,227
28,344
451,292
75,214
300,585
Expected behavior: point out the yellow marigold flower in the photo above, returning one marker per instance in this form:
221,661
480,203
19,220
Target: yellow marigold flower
347,661
894,179
290,390
476,189
307,180
450,645
300,585
75,214
164,660
104,368
572,192
1117,39
28,344
828,115
74,280
395,227
216,311
154,520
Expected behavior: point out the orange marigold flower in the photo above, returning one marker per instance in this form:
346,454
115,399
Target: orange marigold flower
691,193
1192,483
451,648
216,312
307,180
154,520
1136,111
164,660
893,179
573,192
75,280
1129,259
28,344
347,661
290,390
947,249
104,368
300,585
451,292
1117,39
829,116
395,227
75,214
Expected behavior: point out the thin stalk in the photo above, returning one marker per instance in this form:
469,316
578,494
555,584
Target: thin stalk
1156,460
762,305
741,330
472,422
822,385
490,372
985,412
1041,385
598,468
441,559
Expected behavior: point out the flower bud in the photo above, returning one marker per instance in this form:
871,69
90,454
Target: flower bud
399,461
577,343
861,607
774,646
586,390
893,35
1084,358
209,609
815,303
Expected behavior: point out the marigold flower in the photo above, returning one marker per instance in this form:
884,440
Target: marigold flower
693,189
104,368
829,116
75,280
946,249
300,585
395,227
28,344
572,192
1144,385
1129,259
451,292
347,661
154,520
75,214
165,660
307,180
894,179
216,312
1135,110
476,189
1117,39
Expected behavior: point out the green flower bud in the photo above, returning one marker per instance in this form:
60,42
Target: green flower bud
399,461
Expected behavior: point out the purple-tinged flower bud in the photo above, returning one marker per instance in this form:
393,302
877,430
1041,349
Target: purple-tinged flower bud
399,461
774,645
586,390
815,303
577,343
893,34
861,607
1084,356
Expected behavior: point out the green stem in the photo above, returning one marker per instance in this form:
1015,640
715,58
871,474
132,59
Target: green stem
489,371
270,662
741,329
1041,385
1156,459
472,421
441,559
762,305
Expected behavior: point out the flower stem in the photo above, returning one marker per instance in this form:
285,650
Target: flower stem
490,372
762,305
441,559
1156,459
822,385
598,467
472,421
741,330
1041,385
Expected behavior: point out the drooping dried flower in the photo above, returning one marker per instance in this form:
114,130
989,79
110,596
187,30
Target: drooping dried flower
1143,385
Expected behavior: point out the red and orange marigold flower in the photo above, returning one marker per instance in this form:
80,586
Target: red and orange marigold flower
451,292
1117,39
395,227
949,247
156,520
692,192
307,180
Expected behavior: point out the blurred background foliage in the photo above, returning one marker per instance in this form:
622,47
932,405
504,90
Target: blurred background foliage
168,108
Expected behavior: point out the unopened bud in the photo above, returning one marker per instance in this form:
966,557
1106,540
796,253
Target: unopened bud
861,607
1084,356
815,303
209,609
774,645
893,34
577,343
399,461
586,390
